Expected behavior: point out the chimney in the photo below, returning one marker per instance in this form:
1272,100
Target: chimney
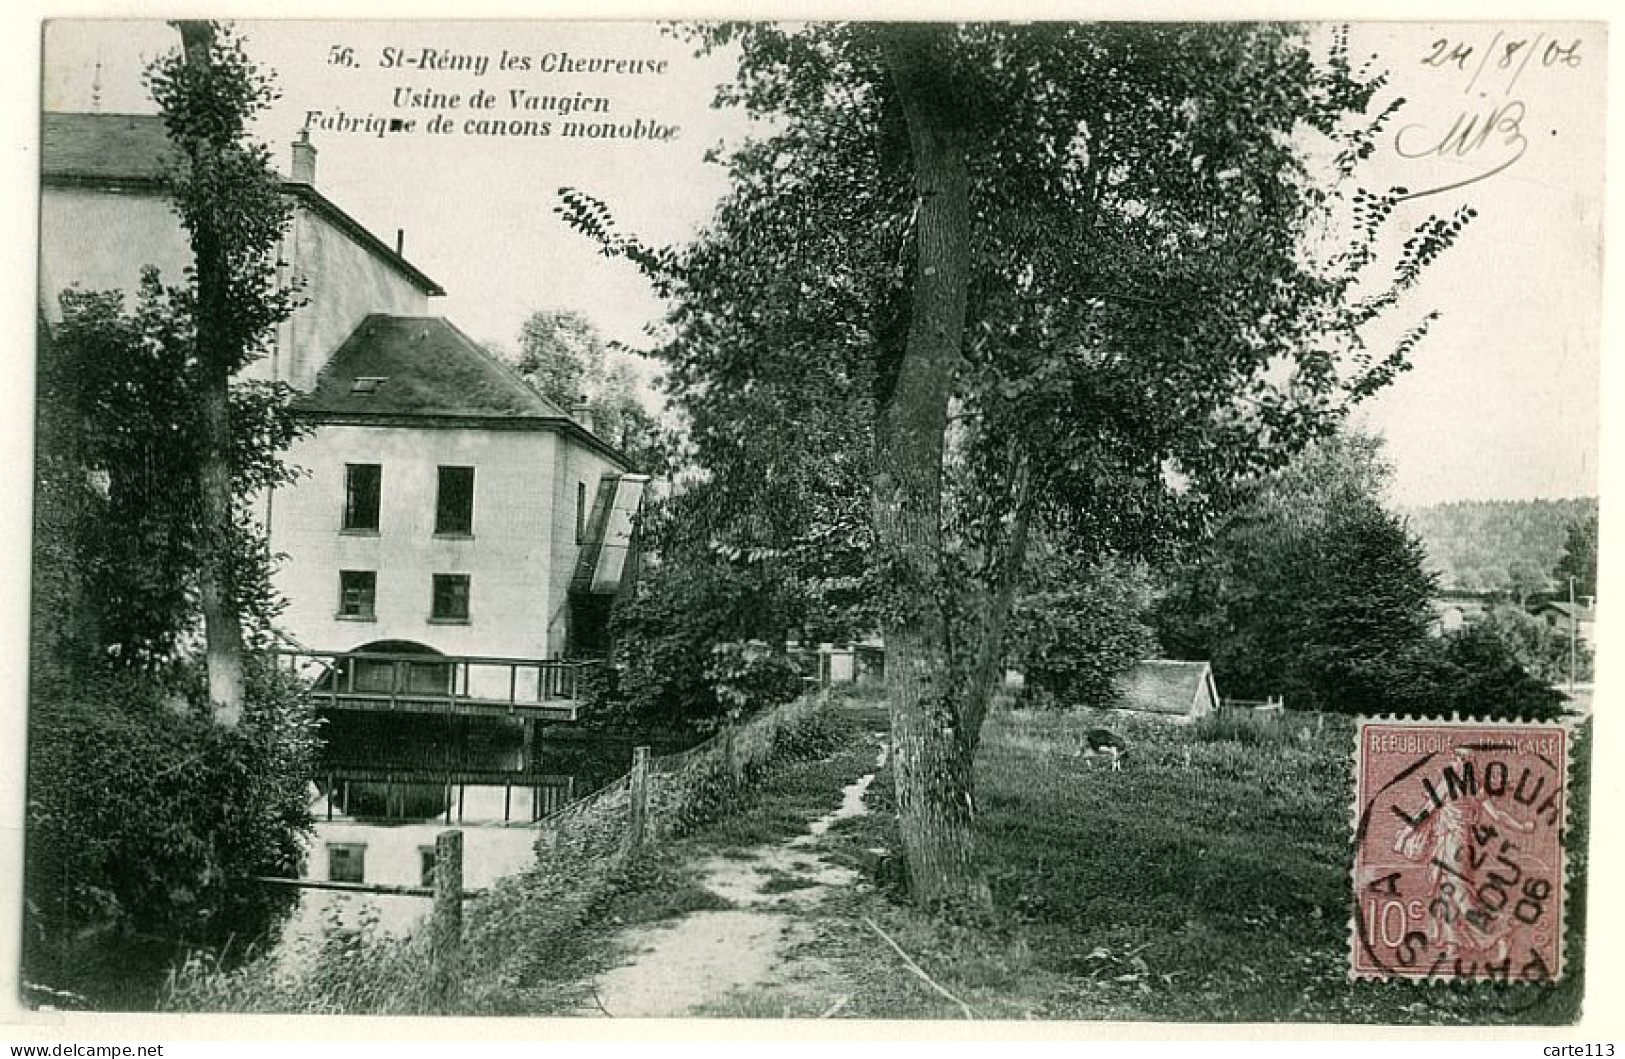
304,159
581,412
400,242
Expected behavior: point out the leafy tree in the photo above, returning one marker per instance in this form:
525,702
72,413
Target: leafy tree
1052,275
1527,579
563,358
1481,676
681,631
229,200
768,541
1310,590
117,393
1579,559
619,416
1080,624
142,813
559,352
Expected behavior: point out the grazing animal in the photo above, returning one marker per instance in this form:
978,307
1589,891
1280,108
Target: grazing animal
1103,743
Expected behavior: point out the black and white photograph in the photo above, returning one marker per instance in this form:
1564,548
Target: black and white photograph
1082,521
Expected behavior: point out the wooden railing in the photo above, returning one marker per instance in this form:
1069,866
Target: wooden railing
470,685
1272,704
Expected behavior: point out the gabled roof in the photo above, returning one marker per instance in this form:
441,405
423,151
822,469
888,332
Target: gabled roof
1164,686
131,152
420,366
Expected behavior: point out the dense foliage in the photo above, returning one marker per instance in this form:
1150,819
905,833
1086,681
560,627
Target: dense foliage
680,638
162,776
562,356
117,388
1511,547
229,202
1308,589
1311,590
1479,674
1544,652
145,817
1078,626
1579,560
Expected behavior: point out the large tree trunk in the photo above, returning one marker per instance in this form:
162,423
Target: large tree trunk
222,625
932,757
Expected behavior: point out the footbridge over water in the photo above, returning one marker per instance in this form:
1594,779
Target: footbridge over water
370,681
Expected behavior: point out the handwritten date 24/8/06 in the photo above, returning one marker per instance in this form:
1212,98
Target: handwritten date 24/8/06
1509,55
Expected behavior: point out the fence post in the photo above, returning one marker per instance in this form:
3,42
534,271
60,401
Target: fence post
639,792
446,922
730,754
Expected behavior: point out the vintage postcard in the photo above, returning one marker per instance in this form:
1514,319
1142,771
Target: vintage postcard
819,520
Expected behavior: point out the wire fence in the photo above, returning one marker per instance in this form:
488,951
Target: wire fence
584,846
665,794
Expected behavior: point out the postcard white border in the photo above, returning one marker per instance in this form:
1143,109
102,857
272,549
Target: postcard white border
20,75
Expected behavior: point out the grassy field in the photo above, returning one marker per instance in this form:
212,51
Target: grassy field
1208,880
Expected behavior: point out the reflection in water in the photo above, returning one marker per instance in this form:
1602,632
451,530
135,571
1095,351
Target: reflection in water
386,786
456,770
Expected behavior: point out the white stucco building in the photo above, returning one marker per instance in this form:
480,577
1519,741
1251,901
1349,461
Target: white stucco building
446,504
445,507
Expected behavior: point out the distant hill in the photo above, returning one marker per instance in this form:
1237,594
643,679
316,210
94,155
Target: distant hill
1496,545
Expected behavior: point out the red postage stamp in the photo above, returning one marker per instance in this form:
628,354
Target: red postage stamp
1458,850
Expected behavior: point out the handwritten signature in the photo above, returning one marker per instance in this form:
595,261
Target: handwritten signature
1468,135
1494,129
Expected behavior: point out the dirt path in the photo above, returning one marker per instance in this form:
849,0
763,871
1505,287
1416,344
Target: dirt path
684,966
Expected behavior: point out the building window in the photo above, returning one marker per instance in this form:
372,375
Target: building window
454,505
581,510
425,865
358,594
450,598
346,862
363,484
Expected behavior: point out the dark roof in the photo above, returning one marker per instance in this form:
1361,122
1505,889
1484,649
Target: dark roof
103,146
428,368
1580,611
131,151
1163,686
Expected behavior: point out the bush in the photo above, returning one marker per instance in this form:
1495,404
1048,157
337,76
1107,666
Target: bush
1072,636
1482,677
1541,650
683,657
750,676
143,815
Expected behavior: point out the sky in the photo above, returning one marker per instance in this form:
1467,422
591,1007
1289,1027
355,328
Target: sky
1502,401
